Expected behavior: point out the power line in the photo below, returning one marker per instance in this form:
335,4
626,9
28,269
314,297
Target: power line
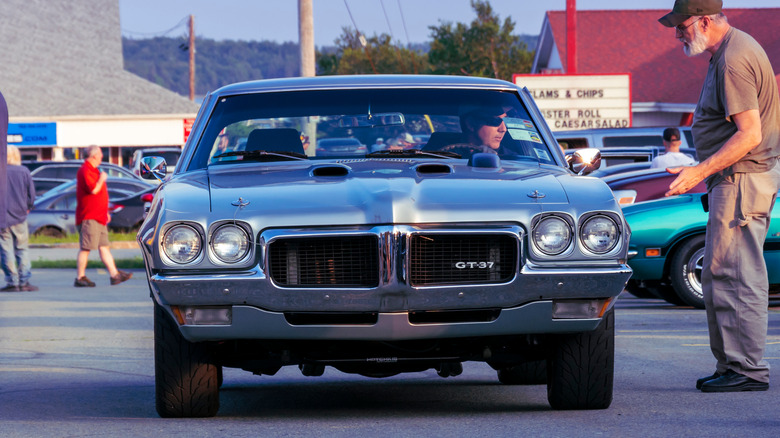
381,2
361,38
403,20
184,22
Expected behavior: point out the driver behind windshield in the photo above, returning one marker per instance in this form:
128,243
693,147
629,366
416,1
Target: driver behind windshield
484,127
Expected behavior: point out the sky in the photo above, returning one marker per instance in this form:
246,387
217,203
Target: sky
406,21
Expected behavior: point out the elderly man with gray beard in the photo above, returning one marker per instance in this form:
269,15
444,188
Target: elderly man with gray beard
736,132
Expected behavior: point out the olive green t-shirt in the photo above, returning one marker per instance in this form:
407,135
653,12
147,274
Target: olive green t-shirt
739,78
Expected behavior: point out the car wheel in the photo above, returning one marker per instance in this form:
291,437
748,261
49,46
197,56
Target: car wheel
186,383
528,373
685,271
50,232
581,368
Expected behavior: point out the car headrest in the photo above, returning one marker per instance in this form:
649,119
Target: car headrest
275,140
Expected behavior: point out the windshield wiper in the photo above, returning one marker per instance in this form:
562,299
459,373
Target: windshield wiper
412,153
265,155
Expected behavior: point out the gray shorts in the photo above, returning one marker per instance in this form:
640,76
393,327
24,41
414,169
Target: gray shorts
92,235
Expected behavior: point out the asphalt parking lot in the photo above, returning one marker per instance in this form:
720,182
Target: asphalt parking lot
80,362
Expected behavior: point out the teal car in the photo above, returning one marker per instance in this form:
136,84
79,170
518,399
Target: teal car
667,249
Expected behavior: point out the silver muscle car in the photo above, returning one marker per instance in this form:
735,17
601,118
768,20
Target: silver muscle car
483,244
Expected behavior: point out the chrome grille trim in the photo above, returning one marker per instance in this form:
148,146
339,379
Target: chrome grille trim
396,255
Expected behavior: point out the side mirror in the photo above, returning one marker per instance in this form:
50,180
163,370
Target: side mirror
153,168
584,161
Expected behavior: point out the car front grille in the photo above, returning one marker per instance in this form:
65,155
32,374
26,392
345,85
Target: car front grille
425,259
462,259
325,262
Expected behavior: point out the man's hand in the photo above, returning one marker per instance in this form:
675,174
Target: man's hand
99,184
688,177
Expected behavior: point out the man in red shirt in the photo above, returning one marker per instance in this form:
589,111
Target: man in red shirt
91,219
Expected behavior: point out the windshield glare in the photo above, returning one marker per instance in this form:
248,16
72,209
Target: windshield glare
346,124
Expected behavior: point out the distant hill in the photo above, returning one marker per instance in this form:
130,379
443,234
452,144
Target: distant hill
165,61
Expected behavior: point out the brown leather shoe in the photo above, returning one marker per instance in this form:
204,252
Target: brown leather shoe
121,277
27,287
83,282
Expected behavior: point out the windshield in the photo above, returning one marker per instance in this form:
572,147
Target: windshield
348,124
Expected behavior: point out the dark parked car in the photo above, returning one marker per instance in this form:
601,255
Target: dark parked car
43,185
643,185
129,212
49,174
66,170
54,213
381,263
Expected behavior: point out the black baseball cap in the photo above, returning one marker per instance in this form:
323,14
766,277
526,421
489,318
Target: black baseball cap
671,134
683,9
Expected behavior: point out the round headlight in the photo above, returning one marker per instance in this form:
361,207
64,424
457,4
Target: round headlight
230,243
599,234
181,244
552,235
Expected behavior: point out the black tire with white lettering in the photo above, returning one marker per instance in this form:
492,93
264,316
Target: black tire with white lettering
529,373
581,368
186,383
685,271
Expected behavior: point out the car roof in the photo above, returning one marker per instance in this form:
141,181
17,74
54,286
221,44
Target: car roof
365,81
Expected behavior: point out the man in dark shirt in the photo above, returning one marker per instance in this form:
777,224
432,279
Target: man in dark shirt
3,144
14,238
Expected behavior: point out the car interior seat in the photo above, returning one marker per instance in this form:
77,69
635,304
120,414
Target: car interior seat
275,140
439,140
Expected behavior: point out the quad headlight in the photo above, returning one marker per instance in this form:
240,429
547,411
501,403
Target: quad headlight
552,235
599,234
230,243
181,243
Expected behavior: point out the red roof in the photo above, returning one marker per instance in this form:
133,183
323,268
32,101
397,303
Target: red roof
633,41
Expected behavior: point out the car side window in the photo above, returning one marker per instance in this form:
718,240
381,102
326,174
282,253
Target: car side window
67,202
46,172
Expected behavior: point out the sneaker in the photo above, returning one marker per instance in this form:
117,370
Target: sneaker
121,277
83,282
27,287
10,288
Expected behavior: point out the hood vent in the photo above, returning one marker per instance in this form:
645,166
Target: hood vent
330,171
434,169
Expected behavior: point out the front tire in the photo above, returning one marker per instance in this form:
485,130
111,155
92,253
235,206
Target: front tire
685,272
581,368
186,382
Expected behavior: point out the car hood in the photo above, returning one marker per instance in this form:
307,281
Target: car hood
396,191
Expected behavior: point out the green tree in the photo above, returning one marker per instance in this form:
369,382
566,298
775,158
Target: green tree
378,56
486,48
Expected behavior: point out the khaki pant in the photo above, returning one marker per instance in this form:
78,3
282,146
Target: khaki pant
734,274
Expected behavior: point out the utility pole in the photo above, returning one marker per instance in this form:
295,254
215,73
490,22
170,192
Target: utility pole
192,57
571,37
306,37
306,43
